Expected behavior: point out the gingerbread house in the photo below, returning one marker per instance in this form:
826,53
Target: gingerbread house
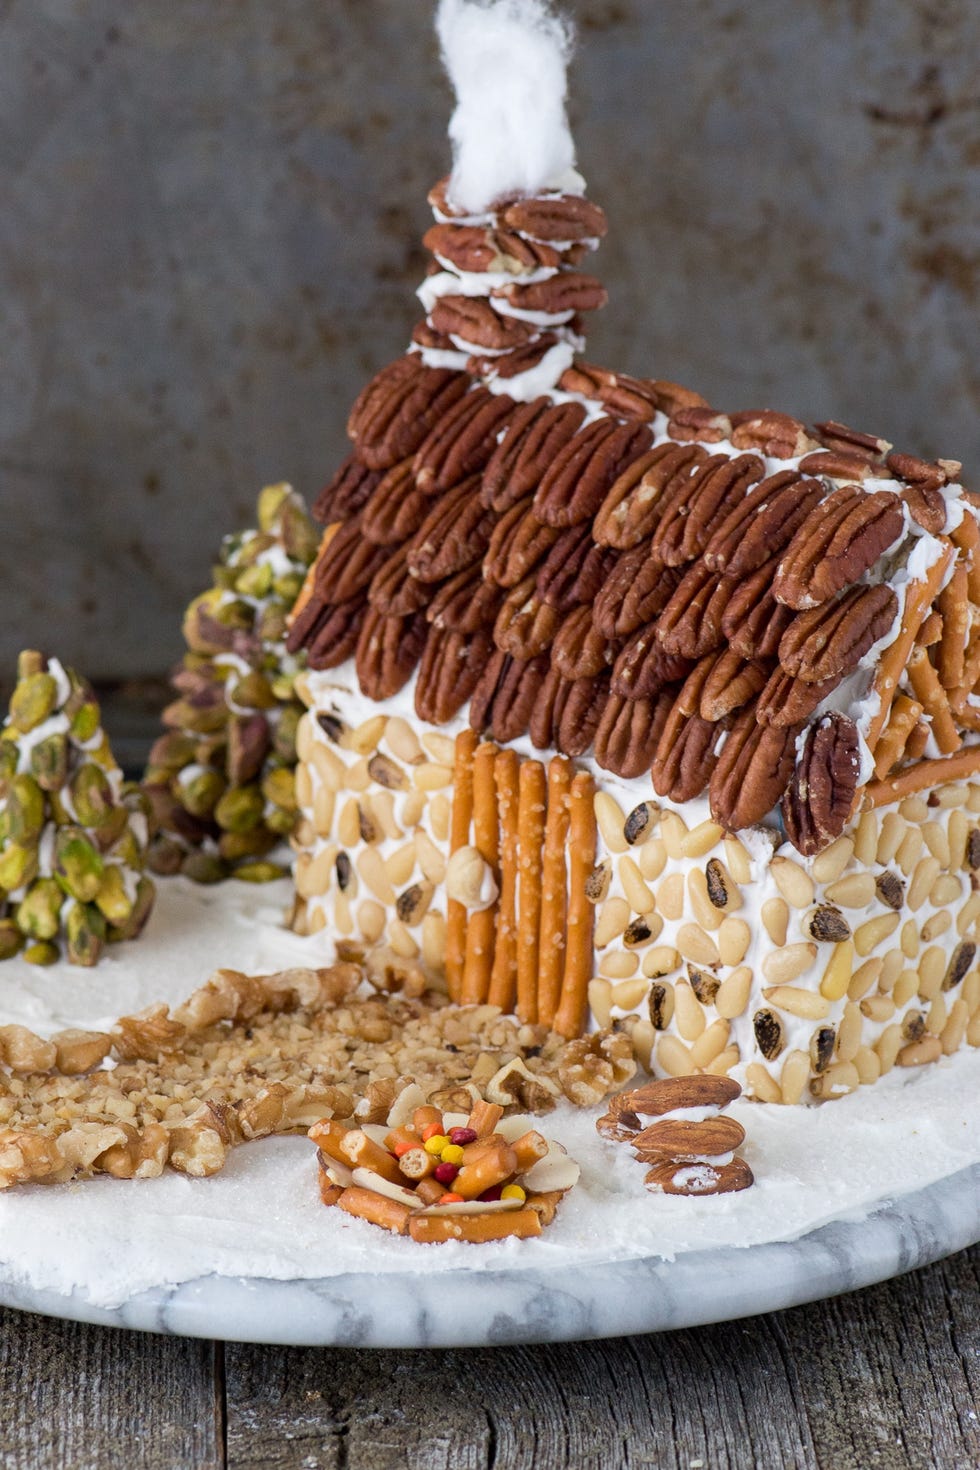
625,710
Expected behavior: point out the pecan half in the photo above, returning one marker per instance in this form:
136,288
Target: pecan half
753,622
334,638
577,712
465,603
575,486
776,434
830,640
574,570
787,701
637,589
837,464
836,545
396,509
821,792
732,682
348,564
473,320
626,397
395,591
388,650
644,667
518,360
449,673
519,544
607,528
425,336
765,521
558,217
532,438
691,623
541,725
755,763
486,687
525,626
579,650
474,248
633,510
462,442
838,436
688,523
455,534
702,424
567,291
348,491
516,690
629,733
396,410
685,756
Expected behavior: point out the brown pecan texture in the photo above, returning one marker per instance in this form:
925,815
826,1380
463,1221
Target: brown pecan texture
450,669
629,733
473,320
532,439
388,650
396,508
753,768
567,291
821,792
763,523
347,493
562,217
462,442
576,484
455,534
830,640
837,543
396,410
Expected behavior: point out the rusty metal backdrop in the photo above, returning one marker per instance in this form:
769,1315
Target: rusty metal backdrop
209,236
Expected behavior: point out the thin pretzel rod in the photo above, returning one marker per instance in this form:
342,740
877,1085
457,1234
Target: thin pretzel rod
932,696
891,747
915,747
482,923
573,1006
377,1208
954,605
530,841
475,1228
966,762
919,597
967,714
459,837
971,665
931,630
551,957
503,976
967,538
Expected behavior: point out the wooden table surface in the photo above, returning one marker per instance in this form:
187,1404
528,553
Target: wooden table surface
888,1377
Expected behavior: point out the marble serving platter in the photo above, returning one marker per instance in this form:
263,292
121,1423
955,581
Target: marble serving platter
525,1304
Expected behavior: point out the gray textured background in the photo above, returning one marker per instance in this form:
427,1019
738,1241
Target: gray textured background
208,237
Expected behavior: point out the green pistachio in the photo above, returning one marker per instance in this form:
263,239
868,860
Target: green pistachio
240,809
25,808
254,581
287,587
284,736
85,722
127,850
18,866
42,952
182,715
279,821
271,626
298,533
204,867
165,856
29,662
91,796
252,692
260,872
86,931
49,762
8,756
171,751
112,900
279,787
78,865
11,939
39,913
236,845
199,794
33,700
272,499
112,829
139,913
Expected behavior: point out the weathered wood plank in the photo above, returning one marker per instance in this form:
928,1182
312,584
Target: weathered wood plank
887,1378
92,1398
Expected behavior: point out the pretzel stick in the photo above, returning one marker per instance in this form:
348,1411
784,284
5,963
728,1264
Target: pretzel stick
931,630
329,1193
967,714
955,608
459,836
484,1118
503,977
971,664
918,600
481,923
966,762
891,747
530,839
917,742
377,1208
573,1007
551,941
475,1228
966,538
932,696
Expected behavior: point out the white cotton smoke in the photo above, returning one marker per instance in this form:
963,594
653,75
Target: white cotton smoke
507,61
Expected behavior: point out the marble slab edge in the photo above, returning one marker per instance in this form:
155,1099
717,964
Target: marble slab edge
557,1304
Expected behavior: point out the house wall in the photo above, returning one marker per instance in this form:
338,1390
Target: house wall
210,236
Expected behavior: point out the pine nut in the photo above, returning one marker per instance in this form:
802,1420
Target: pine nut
317,920
866,840
400,865
793,882
343,920
918,1053
688,1012
371,920
670,897
760,1084
349,825
849,1033
734,938
738,860
839,1079
838,974
328,766
620,964
910,850
775,919
914,809
674,1057
629,993
893,830
888,1046
957,833
829,865
968,914
441,748
365,736
703,909
789,963
304,835
431,860
305,737
324,802
909,941
871,973
973,798
733,993
652,858
304,787
434,941
946,890
402,941
932,972
905,987
358,777
936,1018
890,967
855,891
660,961
611,921
440,816
432,777
925,875
600,1001
936,841
314,877
638,895
956,795
794,1076
413,809
955,1028
867,1064
869,935
609,817
937,925
641,1039
798,1002
370,866
673,830
402,741
710,1044
700,839
694,944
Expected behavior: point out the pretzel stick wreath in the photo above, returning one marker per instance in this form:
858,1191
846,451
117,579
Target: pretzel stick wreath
919,598
530,841
966,762
570,1017
932,696
459,836
953,603
891,747
481,924
551,958
503,977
